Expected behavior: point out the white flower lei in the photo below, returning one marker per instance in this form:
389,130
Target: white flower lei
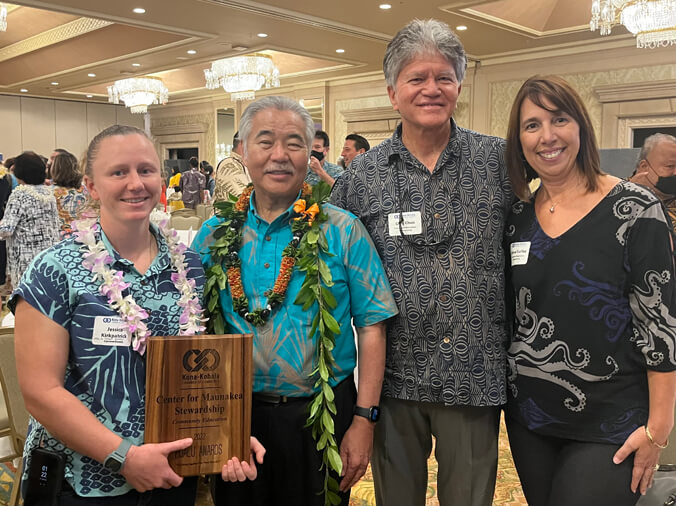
30,190
97,260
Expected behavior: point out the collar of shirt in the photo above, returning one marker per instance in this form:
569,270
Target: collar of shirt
159,264
254,219
451,149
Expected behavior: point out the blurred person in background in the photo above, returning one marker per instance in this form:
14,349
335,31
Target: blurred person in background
68,190
30,223
5,190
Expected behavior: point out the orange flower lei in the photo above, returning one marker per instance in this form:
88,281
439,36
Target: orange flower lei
227,253
304,252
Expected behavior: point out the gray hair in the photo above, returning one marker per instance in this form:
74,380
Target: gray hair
281,104
93,149
421,37
650,143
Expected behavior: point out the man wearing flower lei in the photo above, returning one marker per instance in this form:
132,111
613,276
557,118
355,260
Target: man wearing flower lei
84,309
296,272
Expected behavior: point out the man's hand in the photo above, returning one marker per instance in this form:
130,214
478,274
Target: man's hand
316,166
146,467
234,470
355,451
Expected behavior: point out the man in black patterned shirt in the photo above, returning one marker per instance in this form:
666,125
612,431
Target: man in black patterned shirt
434,198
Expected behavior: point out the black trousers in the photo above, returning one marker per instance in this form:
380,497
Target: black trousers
290,472
565,472
183,495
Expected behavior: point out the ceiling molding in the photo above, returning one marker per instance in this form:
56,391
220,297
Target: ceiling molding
300,18
482,17
61,33
636,91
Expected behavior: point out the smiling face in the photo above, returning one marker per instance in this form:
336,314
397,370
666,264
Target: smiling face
125,178
350,151
276,155
426,92
550,139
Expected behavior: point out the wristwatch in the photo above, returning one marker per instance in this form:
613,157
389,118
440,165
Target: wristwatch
372,414
115,461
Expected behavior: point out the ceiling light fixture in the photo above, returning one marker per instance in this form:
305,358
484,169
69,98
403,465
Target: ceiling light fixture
139,10
90,96
23,90
191,51
3,17
54,83
340,50
653,22
242,76
461,28
91,74
262,35
385,6
138,93
135,64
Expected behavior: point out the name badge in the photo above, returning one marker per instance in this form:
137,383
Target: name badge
110,331
519,252
411,223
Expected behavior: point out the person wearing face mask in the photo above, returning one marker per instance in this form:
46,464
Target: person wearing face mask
319,168
656,169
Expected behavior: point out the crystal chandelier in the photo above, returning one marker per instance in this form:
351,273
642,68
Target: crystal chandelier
3,17
242,76
653,22
138,93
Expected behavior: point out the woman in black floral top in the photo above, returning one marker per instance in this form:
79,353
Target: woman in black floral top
593,349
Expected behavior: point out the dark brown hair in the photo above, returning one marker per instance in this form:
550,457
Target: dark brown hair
553,94
65,171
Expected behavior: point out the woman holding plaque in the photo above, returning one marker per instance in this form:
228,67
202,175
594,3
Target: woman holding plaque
592,359
83,312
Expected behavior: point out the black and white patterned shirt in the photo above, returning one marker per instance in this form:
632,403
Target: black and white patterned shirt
30,225
447,344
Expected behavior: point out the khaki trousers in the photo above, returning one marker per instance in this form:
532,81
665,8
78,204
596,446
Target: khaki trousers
466,451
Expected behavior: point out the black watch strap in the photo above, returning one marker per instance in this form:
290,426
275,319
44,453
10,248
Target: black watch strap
372,414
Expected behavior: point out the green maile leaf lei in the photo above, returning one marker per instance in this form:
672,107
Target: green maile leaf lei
305,253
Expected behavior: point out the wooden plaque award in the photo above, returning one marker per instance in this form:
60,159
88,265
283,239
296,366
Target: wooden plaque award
200,387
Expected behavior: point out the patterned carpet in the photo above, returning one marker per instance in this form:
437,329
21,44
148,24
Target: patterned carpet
507,492
6,481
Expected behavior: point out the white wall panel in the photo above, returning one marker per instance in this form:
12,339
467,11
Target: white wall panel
38,127
10,126
71,126
125,117
99,116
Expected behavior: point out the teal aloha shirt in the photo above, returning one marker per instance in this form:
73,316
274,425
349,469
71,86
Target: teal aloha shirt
108,380
284,353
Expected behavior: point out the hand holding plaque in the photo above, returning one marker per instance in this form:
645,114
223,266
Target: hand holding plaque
200,387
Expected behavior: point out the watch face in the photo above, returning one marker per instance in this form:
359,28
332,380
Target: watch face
113,464
374,415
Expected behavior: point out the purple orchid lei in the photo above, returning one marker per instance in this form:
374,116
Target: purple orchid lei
97,260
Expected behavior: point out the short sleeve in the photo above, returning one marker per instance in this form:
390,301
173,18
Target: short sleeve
339,191
203,240
371,299
45,286
652,291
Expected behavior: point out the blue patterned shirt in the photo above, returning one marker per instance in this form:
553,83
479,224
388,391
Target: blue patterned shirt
284,353
109,380
331,169
447,344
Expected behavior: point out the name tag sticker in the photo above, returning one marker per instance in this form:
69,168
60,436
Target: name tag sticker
519,252
110,331
411,224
